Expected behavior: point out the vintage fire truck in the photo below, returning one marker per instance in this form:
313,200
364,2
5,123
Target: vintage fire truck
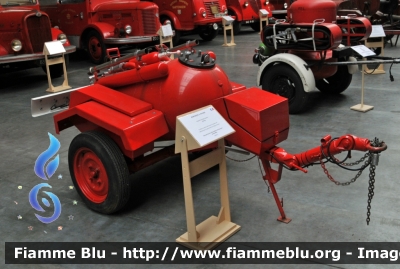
123,113
23,31
188,16
247,13
95,25
305,52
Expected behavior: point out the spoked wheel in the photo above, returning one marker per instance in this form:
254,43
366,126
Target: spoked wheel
99,172
96,47
283,80
337,83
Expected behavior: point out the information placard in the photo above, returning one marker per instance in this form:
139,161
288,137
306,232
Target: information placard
53,47
206,125
377,31
264,12
363,50
167,30
227,20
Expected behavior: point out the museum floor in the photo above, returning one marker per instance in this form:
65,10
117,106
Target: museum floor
320,210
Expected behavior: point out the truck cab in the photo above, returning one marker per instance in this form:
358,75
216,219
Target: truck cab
95,25
23,31
187,16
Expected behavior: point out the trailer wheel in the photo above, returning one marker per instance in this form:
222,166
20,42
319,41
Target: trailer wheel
337,83
283,80
96,47
208,34
99,172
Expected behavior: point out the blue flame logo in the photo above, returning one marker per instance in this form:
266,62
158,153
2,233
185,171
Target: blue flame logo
45,157
45,172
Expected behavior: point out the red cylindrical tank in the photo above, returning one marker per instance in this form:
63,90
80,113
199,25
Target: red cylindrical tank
184,89
306,11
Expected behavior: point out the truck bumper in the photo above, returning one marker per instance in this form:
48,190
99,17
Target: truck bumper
29,57
130,40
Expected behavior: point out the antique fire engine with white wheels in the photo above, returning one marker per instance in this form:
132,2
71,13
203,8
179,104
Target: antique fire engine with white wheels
303,53
123,113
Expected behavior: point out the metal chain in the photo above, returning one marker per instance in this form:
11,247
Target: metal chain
367,162
354,163
370,190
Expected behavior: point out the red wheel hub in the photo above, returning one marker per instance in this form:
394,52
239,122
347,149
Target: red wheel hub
90,175
95,48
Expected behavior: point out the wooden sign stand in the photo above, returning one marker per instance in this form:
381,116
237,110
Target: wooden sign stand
361,107
375,44
166,38
263,14
214,230
227,24
55,48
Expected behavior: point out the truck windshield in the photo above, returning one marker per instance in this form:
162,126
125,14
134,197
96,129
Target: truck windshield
6,3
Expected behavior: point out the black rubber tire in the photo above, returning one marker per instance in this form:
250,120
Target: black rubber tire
95,47
255,26
283,80
57,70
208,34
116,170
337,83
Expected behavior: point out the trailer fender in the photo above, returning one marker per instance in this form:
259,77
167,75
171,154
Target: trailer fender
132,123
298,64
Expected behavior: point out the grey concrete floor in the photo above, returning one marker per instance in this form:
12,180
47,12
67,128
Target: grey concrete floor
320,210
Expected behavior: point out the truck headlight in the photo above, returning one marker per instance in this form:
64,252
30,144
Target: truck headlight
62,38
246,4
128,29
285,5
224,9
204,14
16,45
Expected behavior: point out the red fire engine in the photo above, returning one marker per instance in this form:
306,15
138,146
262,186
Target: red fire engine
23,31
97,24
187,16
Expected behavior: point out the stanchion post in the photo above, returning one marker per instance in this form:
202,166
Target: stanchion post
361,107
166,36
227,24
214,230
378,33
263,18
56,51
